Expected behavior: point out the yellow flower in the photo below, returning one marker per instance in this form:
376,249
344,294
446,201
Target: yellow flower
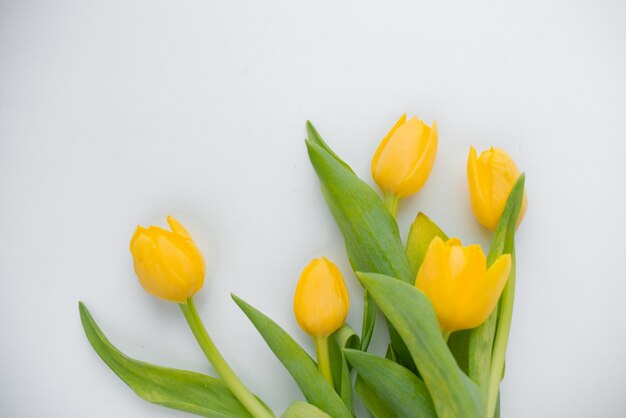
405,157
167,263
491,178
321,301
459,285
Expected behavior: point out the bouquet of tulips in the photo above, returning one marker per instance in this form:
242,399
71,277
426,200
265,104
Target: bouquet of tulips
448,307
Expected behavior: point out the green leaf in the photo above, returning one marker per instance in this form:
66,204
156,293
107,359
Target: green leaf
422,232
458,343
395,386
299,409
345,337
377,407
369,319
371,235
177,389
297,362
412,315
315,137
481,339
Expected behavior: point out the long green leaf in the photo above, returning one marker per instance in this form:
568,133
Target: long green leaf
177,389
481,338
377,407
299,409
345,337
412,315
297,362
370,233
396,386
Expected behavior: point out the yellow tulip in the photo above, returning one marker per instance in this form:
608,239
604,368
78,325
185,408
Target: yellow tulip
321,301
167,263
491,178
459,285
405,157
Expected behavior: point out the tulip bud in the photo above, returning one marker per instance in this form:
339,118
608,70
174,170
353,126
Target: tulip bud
405,157
459,285
491,178
321,301
167,263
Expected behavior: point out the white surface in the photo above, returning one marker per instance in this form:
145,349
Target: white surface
116,113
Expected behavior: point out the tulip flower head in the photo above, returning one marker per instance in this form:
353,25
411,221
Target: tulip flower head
321,301
405,157
491,177
167,263
459,285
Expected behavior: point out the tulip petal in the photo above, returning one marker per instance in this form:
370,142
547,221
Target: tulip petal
177,389
478,191
321,299
488,291
400,154
428,144
168,264
384,141
177,227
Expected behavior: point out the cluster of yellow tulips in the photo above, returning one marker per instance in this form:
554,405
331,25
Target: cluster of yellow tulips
462,288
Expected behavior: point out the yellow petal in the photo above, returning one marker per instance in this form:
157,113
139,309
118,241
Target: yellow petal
384,141
321,300
488,290
168,264
477,187
456,280
177,227
427,151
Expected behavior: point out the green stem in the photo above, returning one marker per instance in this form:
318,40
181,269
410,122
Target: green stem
248,400
323,358
446,335
391,202
501,340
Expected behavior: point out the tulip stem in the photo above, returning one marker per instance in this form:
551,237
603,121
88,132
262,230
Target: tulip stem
323,359
446,335
391,202
241,392
501,340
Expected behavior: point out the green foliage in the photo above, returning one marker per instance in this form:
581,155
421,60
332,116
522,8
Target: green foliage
481,339
345,337
377,407
411,313
422,232
370,233
396,388
297,362
177,389
299,409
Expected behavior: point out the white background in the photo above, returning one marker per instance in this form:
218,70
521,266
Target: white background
117,113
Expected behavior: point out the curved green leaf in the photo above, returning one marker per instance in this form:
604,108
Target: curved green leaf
481,338
370,233
422,232
344,337
377,407
177,389
297,362
299,409
395,386
412,315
